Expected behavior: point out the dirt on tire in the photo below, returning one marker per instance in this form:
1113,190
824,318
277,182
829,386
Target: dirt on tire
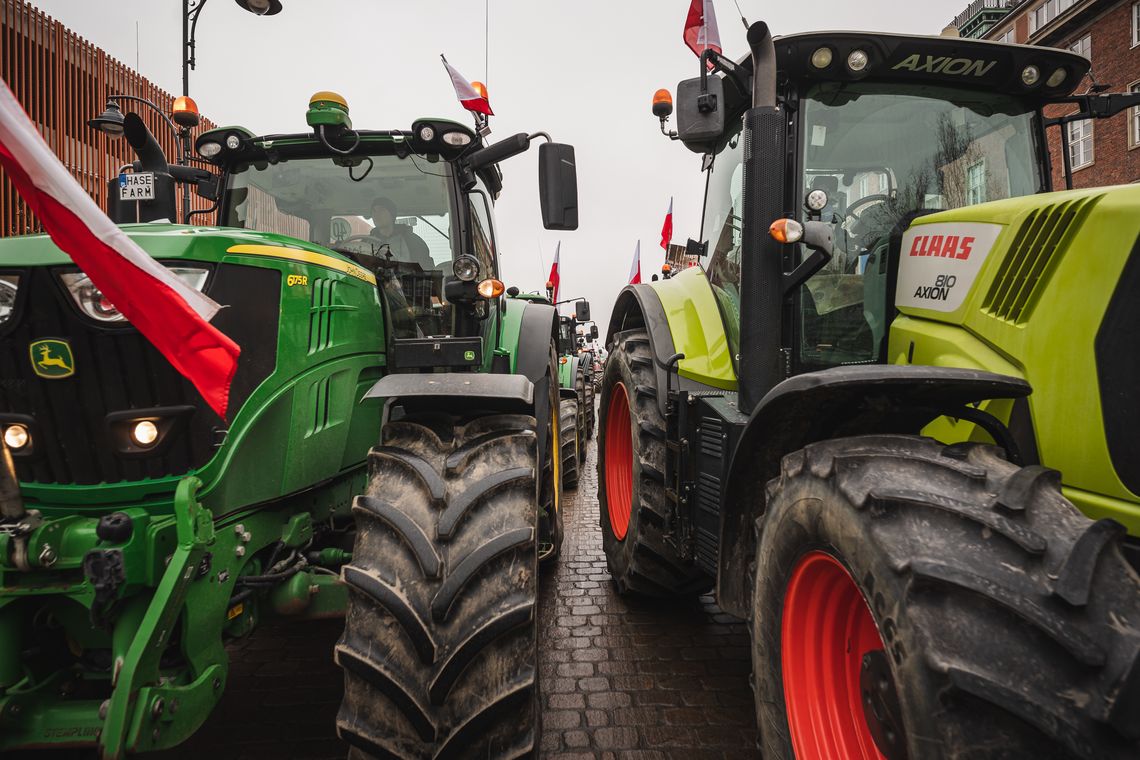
439,648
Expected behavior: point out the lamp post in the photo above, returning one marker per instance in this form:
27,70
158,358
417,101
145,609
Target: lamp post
191,9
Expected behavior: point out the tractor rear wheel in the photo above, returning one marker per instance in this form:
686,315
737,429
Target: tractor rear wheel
920,600
570,444
631,479
439,648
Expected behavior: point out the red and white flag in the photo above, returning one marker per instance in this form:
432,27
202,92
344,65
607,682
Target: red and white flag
554,280
635,267
469,97
700,27
173,316
667,227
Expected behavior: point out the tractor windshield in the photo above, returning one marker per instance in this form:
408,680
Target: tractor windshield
882,152
391,215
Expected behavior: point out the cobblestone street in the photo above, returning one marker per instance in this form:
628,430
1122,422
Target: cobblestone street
620,678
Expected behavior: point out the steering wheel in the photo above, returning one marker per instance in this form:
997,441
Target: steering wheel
866,200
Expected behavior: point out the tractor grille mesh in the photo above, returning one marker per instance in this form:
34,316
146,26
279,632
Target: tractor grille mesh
1031,258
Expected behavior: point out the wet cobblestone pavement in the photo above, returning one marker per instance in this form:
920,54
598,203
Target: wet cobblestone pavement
620,678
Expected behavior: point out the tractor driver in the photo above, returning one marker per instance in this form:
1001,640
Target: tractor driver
404,244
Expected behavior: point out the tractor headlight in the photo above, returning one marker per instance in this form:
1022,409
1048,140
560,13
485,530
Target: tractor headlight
458,139
209,149
9,284
16,437
427,134
1030,75
857,60
144,433
233,142
94,304
466,268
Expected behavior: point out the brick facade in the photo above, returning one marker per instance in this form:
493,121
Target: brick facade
1109,24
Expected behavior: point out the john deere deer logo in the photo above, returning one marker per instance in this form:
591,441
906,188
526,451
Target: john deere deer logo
52,359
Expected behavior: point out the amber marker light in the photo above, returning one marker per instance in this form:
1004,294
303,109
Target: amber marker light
490,288
185,111
480,88
662,104
786,231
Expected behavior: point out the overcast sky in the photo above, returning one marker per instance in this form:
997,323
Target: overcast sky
583,70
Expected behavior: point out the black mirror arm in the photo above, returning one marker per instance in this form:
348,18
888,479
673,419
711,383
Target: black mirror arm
818,236
1095,106
726,66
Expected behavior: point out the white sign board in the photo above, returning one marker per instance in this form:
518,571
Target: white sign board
938,263
136,187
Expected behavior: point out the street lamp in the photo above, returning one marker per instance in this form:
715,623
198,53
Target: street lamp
191,9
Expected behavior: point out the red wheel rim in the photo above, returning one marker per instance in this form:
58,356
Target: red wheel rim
826,629
619,462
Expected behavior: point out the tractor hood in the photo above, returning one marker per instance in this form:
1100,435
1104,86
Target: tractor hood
162,241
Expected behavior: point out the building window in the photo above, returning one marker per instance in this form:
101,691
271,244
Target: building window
1135,24
1006,36
1044,13
1083,46
1080,143
1134,120
976,183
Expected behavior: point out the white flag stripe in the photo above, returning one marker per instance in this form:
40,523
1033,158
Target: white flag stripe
636,262
709,35
463,88
48,174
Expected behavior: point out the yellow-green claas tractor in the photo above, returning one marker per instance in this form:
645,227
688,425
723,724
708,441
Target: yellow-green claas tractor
893,418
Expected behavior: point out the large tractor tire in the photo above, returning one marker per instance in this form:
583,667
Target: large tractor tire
585,410
570,443
439,648
915,600
631,479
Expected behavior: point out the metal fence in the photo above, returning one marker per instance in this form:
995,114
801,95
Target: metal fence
62,80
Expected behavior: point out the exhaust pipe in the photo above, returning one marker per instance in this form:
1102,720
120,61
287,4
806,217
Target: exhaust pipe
763,65
145,146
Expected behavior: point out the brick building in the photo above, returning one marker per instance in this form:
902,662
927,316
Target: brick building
62,80
1104,152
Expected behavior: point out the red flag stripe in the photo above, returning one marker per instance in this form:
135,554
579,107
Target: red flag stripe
555,277
667,228
199,351
701,31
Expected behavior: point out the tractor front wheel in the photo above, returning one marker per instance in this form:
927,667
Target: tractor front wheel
439,648
641,556
919,600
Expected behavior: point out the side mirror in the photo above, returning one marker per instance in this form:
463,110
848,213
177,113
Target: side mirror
700,112
594,332
209,188
558,186
582,311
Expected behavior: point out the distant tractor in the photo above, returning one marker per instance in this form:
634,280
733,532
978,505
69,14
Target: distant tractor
893,418
391,454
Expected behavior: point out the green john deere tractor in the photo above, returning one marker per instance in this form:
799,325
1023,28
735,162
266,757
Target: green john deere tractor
391,455
893,419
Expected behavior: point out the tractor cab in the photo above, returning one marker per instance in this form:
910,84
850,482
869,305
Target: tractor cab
414,208
881,129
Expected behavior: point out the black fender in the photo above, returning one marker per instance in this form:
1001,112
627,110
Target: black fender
539,325
818,406
638,306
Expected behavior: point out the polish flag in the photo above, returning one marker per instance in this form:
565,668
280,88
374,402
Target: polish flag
554,278
667,227
173,316
469,97
635,267
700,28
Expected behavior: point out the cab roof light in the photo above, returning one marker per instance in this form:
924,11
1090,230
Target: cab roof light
184,112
